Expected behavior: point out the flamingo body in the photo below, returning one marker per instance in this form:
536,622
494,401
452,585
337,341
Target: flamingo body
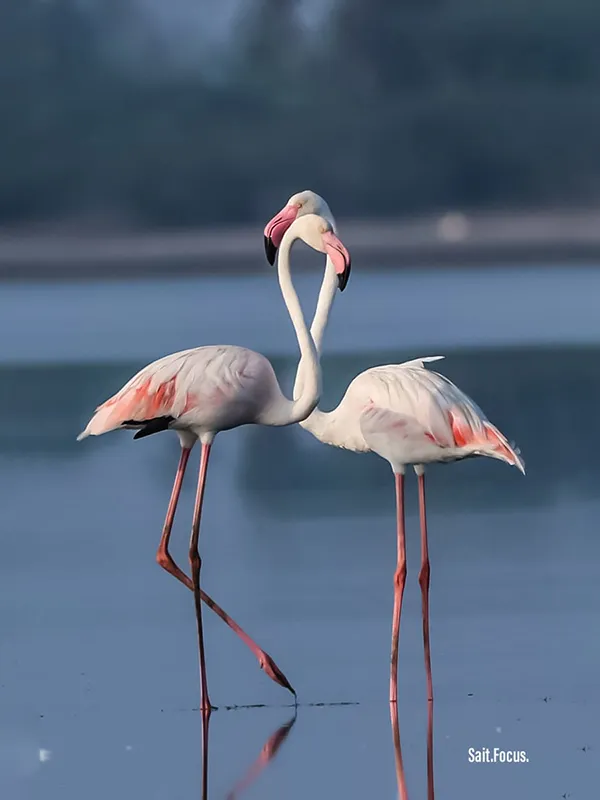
203,391
408,414
196,392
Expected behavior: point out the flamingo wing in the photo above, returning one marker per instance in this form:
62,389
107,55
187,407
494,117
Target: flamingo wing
468,425
396,436
191,380
153,398
445,414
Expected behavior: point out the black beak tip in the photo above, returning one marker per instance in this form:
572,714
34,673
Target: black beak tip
270,250
344,277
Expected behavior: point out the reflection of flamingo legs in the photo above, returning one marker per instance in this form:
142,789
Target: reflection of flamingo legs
400,776
430,792
267,754
205,724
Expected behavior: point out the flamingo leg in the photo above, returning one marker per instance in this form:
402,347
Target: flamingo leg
399,582
424,579
164,558
195,566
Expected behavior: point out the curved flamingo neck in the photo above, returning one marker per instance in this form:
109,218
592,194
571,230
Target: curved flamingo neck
308,395
327,294
318,421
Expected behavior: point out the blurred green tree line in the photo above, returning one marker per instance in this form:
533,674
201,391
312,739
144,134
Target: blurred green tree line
391,106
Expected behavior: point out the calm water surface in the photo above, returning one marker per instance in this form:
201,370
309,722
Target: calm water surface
98,663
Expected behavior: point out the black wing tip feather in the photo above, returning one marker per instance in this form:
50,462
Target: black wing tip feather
149,426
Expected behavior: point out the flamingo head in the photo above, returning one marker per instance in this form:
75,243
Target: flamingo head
298,205
317,232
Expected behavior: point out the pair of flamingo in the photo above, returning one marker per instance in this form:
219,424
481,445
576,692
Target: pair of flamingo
405,413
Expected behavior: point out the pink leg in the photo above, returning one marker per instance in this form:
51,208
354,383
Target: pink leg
196,564
400,774
424,576
164,558
399,582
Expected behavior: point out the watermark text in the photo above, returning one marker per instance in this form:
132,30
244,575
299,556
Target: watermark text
496,755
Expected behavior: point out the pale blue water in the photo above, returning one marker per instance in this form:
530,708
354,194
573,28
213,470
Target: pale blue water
423,311
98,662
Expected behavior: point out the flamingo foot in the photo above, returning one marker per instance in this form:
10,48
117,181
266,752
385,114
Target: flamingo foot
272,670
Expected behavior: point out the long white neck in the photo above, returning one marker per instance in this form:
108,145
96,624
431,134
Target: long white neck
330,427
319,422
308,396
327,294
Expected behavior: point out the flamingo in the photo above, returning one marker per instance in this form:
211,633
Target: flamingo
405,413
200,392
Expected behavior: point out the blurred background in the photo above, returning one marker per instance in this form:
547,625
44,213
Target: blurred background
137,115
144,145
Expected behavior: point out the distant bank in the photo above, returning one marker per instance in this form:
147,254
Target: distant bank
437,240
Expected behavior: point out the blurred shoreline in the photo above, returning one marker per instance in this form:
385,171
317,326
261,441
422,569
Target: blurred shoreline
449,239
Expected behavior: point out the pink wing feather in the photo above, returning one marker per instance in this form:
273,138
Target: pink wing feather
217,386
161,389
419,403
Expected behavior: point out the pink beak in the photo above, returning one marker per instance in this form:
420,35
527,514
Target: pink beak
339,256
275,230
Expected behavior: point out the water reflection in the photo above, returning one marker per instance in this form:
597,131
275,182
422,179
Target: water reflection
205,732
430,793
400,770
299,543
268,752
400,774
